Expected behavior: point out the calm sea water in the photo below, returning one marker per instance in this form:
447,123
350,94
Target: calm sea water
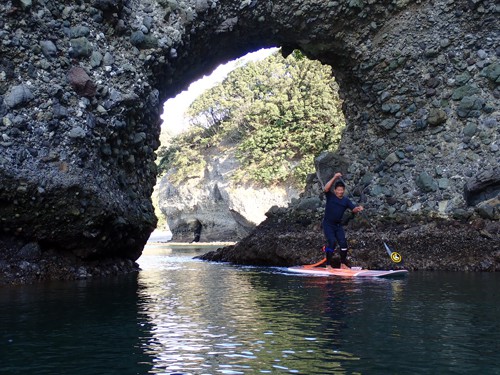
182,316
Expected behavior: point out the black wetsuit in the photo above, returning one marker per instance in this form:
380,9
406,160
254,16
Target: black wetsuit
332,225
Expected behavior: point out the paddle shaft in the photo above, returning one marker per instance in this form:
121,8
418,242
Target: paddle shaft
387,248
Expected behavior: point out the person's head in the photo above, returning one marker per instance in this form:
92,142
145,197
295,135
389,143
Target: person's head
339,189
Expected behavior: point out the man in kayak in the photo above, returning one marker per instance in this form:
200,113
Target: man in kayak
336,204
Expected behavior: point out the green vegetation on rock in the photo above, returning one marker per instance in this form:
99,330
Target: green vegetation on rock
276,115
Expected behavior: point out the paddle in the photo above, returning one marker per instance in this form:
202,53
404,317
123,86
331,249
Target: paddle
394,255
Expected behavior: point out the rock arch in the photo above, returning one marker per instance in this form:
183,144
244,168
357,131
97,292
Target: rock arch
419,80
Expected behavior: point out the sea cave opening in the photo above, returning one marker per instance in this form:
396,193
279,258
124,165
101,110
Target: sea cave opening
241,140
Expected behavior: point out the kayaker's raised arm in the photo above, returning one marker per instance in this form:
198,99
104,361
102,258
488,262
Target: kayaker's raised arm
329,184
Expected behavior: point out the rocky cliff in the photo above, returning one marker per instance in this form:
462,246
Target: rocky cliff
211,207
81,83
293,235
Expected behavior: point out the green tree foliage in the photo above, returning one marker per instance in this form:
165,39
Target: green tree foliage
277,113
183,155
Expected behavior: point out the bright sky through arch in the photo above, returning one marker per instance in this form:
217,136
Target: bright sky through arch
174,108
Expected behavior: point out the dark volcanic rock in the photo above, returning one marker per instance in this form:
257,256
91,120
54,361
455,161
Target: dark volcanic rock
78,181
439,245
80,47
425,243
19,95
81,82
483,186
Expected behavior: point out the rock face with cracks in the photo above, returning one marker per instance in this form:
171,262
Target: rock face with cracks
209,207
293,236
82,82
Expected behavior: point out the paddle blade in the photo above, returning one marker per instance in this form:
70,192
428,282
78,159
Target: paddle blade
395,256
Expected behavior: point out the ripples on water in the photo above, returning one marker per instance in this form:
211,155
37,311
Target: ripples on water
182,316
212,318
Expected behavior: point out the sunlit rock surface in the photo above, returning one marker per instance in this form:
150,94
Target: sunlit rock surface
211,207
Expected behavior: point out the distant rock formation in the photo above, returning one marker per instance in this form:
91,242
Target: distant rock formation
210,207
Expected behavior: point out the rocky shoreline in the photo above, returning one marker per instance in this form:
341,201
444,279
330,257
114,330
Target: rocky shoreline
438,245
467,240
26,264
29,264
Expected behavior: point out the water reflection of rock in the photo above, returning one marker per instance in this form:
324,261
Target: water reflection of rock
233,318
